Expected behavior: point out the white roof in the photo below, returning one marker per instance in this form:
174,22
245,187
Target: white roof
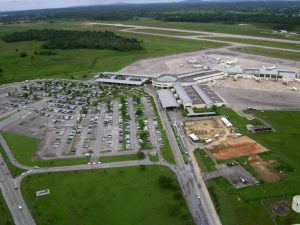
167,99
194,137
116,81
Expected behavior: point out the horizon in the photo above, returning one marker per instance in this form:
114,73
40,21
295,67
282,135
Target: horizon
24,5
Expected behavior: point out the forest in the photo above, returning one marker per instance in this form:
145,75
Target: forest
65,39
279,14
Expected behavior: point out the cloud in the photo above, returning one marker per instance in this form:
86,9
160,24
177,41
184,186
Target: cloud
11,5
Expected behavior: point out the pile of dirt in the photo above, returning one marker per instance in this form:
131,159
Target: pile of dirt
235,148
264,169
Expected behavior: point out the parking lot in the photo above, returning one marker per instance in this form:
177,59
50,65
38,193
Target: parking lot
76,119
237,175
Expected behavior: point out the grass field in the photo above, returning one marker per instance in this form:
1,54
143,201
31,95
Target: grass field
5,216
123,196
14,171
24,149
275,44
119,158
270,53
248,204
80,63
250,29
204,162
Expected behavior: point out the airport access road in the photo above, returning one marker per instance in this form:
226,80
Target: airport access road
13,197
192,185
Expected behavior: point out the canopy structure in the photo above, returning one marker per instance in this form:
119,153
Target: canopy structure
167,99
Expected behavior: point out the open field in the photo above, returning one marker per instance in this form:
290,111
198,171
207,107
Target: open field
204,162
112,196
250,29
274,44
245,204
24,149
80,63
295,56
120,158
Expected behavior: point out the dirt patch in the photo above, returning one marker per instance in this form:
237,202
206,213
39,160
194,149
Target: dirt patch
281,208
264,169
208,129
235,147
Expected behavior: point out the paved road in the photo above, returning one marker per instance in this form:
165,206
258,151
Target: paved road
205,36
202,209
14,198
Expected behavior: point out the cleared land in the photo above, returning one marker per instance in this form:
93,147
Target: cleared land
235,148
295,56
80,63
251,204
113,196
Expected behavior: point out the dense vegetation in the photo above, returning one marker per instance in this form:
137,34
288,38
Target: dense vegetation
66,39
280,14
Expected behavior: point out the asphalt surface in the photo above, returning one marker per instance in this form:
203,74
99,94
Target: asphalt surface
205,36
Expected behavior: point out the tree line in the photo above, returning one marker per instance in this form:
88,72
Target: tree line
65,39
280,13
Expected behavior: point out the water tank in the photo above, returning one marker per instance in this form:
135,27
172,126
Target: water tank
296,203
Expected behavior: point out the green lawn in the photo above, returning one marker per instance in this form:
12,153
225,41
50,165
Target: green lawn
153,158
14,171
238,121
275,44
270,53
80,62
24,149
246,204
260,30
5,216
120,196
204,161
120,158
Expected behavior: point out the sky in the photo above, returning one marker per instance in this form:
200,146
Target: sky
12,5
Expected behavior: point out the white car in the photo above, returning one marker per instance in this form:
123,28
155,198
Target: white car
20,207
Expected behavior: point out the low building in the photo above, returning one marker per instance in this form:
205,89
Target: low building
163,82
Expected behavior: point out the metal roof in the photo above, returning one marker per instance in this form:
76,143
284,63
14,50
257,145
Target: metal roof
182,94
167,99
128,74
207,100
116,81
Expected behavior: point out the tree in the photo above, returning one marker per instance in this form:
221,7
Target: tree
1,70
23,54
